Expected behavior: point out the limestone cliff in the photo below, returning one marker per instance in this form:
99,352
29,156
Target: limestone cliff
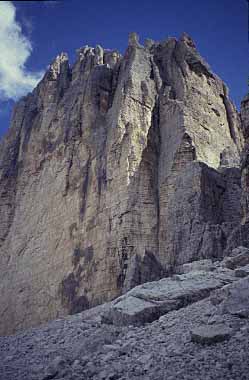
240,235
114,171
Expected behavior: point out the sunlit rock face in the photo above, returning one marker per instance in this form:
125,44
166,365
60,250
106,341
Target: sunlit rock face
114,171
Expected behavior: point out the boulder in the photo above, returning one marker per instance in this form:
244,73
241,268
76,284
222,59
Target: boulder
58,367
242,271
209,334
238,258
147,302
204,265
233,299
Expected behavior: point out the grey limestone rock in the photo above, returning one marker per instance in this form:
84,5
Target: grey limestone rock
234,298
199,265
242,271
239,257
113,173
146,303
191,342
209,334
58,368
134,40
244,113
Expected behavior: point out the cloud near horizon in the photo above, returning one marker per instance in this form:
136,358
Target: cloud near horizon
15,48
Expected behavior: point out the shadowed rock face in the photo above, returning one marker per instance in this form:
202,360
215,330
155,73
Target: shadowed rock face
245,158
114,171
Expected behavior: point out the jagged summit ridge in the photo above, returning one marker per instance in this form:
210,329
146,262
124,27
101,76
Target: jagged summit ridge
114,172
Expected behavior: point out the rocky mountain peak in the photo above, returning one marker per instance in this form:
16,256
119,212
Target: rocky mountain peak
58,65
115,172
188,40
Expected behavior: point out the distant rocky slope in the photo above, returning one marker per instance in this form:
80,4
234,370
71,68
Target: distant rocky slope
114,172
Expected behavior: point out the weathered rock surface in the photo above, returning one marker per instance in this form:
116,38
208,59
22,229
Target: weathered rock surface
203,265
209,334
146,303
239,257
240,235
114,172
195,342
234,299
242,271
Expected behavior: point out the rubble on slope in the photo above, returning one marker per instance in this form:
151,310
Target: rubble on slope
204,339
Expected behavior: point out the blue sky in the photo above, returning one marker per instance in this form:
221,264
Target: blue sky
44,29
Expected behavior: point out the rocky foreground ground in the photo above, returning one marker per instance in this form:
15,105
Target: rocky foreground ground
193,325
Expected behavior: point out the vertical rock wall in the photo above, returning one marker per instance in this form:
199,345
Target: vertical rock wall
245,158
113,172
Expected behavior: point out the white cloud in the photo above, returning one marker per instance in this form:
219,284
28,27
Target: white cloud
15,49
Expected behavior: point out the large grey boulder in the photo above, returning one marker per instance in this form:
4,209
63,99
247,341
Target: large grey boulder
233,299
58,368
146,303
204,265
209,334
242,271
239,257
